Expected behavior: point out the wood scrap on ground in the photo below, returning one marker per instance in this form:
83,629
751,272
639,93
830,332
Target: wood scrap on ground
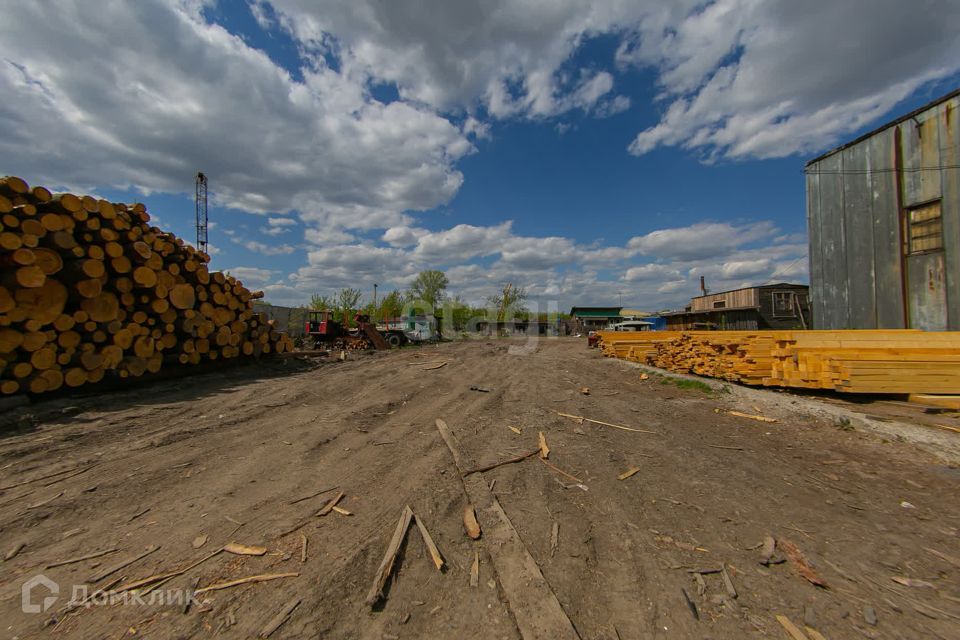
515,430
244,550
494,465
562,472
554,538
769,545
536,610
582,419
277,621
814,634
436,366
800,563
728,583
327,508
690,604
475,570
312,495
913,582
303,548
544,449
791,628
947,558
386,565
155,579
470,523
342,511
435,554
100,575
17,548
629,472
89,556
265,577
751,416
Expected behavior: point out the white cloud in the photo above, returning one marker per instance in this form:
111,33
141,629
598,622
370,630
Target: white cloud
403,236
162,99
700,240
745,268
508,56
479,130
651,272
461,242
253,276
771,78
325,236
267,249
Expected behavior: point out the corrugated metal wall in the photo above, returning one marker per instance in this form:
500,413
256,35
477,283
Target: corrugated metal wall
857,196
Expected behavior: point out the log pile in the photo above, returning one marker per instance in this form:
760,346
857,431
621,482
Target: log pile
868,361
90,289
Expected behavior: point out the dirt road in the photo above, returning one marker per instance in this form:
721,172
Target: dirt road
189,465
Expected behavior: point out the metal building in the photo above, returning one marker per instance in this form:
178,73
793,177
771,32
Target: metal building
883,214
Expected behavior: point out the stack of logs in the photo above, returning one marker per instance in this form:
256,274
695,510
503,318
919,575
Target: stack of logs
90,289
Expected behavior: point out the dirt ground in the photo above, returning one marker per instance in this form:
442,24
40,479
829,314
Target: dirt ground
230,457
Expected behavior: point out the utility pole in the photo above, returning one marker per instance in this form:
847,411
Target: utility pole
374,301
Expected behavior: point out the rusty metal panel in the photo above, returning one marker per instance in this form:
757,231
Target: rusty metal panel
836,303
927,291
858,223
888,276
921,151
814,254
950,206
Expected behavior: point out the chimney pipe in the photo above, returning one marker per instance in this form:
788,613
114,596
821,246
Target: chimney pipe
703,286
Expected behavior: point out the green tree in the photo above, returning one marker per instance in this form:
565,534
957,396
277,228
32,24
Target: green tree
321,303
346,300
510,301
429,286
392,305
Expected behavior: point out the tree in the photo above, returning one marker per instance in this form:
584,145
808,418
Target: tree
392,305
321,303
510,301
346,301
429,286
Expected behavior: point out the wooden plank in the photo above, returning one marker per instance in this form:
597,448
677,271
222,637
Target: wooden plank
535,607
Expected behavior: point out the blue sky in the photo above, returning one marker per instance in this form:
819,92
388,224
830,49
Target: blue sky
588,151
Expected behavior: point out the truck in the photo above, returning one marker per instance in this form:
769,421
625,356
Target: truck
395,332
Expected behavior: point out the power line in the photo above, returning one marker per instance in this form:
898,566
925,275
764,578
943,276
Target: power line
788,267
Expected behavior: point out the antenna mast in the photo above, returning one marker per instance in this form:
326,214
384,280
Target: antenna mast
201,212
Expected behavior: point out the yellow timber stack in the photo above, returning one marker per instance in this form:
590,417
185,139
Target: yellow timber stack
870,361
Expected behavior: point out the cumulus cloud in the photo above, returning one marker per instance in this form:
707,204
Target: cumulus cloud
461,242
506,55
253,276
162,98
403,236
267,249
771,78
700,240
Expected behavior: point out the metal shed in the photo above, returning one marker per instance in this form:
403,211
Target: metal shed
883,214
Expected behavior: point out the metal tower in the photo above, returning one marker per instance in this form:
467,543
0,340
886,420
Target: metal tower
201,212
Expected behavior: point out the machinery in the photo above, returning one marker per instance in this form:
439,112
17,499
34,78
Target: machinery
332,334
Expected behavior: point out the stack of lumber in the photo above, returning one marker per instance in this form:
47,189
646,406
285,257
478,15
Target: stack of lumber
90,289
868,361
